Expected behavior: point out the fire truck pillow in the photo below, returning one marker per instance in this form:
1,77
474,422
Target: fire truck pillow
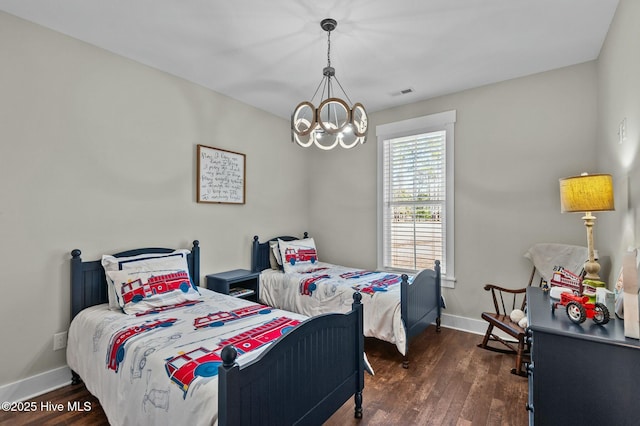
145,292
298,255
174,261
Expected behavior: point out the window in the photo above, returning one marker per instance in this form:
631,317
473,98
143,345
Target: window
415,194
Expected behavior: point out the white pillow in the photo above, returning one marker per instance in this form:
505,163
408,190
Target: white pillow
275,261
141,292
297,254
173,261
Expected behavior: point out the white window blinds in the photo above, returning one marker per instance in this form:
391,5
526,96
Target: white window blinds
414,201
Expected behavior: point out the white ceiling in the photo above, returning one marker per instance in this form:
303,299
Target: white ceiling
270,53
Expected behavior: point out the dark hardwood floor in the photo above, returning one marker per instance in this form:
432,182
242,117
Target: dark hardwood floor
450,381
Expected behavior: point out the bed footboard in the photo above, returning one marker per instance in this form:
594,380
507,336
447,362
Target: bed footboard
421,304
310,373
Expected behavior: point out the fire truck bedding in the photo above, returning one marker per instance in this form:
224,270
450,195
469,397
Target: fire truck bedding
293,278
166,367
329,288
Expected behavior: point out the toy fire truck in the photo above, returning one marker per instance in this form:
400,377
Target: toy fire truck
565,278
579,308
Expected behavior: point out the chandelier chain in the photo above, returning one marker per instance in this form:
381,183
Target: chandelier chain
328,48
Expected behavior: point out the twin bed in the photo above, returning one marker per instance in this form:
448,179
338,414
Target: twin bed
396,307
155,348
174,359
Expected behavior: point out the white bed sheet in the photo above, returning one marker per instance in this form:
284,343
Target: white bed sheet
382,314
141,392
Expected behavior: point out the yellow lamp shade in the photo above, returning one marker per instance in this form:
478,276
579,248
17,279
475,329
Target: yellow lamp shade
586,193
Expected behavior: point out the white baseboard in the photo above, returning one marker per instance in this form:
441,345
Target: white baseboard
464,324
36,385
471,325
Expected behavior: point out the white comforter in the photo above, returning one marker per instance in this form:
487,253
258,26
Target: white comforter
334,288
135,386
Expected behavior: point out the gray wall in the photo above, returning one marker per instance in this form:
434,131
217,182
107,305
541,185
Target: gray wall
98,152
619,98
513,141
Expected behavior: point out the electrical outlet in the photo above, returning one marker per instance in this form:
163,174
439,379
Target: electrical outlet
622,131
59,341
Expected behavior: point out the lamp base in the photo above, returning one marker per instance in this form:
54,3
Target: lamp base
592,268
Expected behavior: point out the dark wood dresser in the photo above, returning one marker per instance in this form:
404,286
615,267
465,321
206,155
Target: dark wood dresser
580,374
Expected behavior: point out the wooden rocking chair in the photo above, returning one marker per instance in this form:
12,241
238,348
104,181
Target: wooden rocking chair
505,301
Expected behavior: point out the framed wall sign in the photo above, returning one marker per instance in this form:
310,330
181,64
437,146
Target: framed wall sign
221,176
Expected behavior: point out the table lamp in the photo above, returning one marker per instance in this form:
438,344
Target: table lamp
585,194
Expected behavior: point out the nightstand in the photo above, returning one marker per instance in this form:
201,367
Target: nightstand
237,283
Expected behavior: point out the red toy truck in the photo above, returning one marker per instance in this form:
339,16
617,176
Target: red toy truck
579,309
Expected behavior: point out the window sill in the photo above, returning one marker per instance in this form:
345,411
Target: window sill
447,282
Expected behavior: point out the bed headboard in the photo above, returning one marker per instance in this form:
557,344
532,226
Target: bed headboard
89,284
260,252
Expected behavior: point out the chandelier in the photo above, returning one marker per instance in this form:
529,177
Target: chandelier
333,123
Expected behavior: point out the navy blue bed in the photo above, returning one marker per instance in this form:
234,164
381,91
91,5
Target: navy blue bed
420,302
253,394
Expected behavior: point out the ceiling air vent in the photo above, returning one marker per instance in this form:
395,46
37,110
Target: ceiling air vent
403,92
